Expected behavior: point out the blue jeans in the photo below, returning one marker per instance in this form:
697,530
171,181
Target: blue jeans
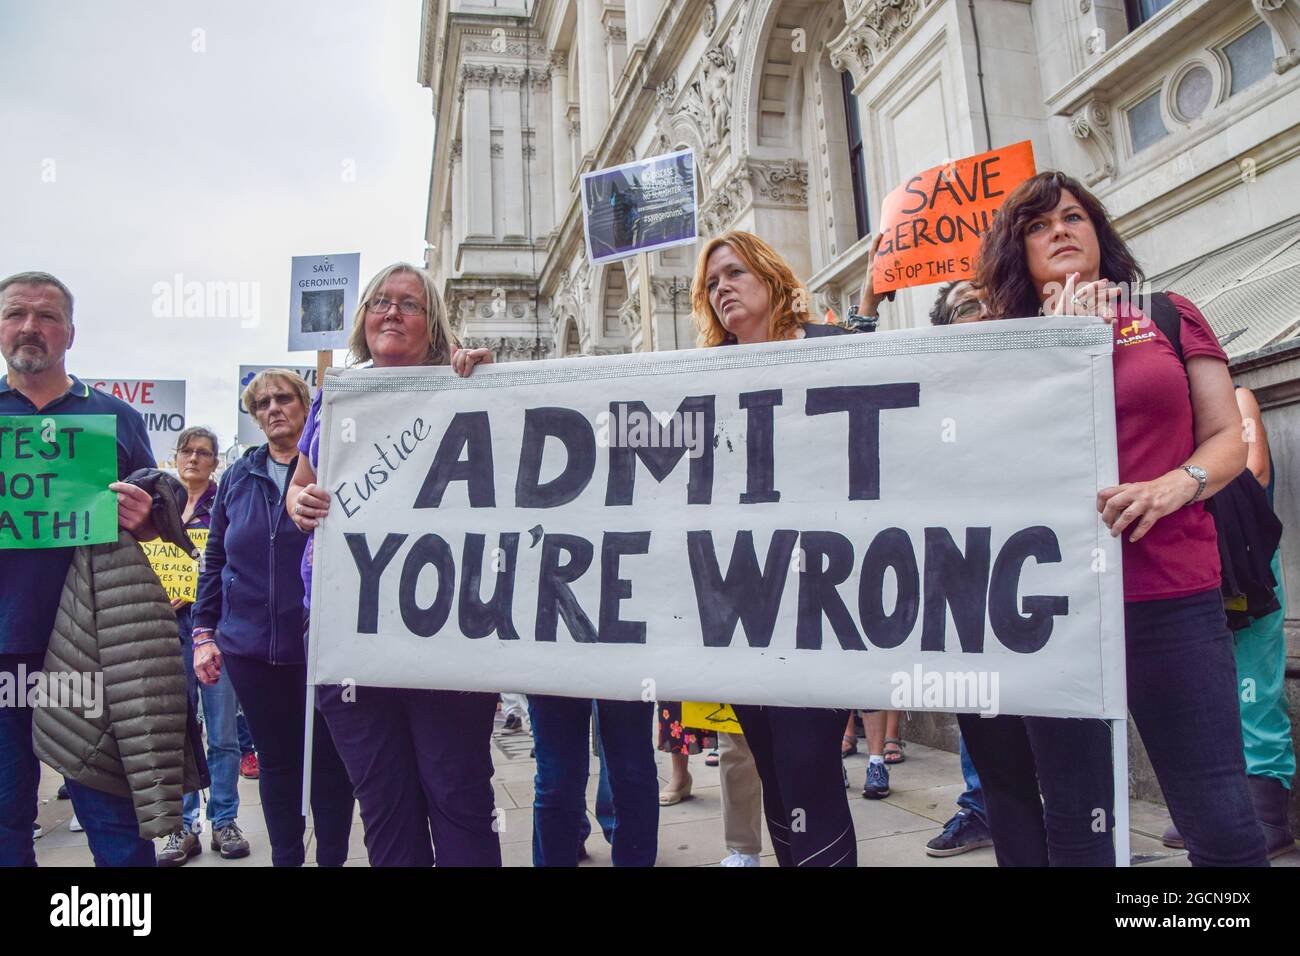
110,822
219,710
1182,693
973,798
111,828
20,771
604,798
1068,760
246,745
560,735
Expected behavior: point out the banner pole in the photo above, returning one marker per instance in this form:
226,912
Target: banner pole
647,317
1119,747
310,725
324,359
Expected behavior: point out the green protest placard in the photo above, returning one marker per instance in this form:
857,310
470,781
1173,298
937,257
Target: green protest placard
54,477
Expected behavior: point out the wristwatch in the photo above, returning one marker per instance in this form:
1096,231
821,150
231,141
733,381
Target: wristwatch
1197,472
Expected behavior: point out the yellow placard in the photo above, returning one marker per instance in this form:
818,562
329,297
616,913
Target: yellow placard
714,717
177,572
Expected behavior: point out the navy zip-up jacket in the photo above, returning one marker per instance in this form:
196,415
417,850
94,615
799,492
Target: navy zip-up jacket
250,590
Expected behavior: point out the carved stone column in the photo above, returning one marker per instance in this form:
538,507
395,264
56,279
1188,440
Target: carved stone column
512,145
476,135
593,89
561,145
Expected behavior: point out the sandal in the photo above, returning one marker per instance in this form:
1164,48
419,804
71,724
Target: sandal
849,747
711,758
896,755
669,797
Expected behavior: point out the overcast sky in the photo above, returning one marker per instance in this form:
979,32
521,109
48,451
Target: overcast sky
143,140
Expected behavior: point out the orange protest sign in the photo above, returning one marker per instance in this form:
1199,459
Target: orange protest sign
932,223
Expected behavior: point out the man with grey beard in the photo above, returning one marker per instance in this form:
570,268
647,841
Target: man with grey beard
36,331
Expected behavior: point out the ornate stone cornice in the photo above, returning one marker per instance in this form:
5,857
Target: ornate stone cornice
629,315
666,91
476,75
1283,18
781,182
874,27
754,181
511,348
709,22
1090,124
502,44
726,203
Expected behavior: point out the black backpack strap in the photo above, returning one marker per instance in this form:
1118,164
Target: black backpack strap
1165,315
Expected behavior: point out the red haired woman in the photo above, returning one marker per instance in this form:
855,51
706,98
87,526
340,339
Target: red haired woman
745,293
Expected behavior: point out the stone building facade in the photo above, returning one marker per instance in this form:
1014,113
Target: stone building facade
1182,115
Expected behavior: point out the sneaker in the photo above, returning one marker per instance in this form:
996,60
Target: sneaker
877,785
229,840
739,859
248,766
181,845
74,825
964,832
63,792
513,724
38,831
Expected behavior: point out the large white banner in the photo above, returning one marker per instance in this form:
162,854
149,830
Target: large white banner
902,519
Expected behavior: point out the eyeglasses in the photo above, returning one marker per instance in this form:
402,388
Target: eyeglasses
283,399
202,454
968,309
381,304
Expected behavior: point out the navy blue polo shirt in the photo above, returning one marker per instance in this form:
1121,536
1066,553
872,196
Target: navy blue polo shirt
31,581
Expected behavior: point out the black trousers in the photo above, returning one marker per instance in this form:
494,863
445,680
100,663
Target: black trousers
797,752
274,698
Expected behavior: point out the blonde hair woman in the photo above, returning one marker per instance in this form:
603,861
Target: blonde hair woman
398,744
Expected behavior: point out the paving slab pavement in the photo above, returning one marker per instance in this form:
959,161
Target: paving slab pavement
891,832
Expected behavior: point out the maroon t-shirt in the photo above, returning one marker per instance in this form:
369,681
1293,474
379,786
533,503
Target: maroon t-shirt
1153,417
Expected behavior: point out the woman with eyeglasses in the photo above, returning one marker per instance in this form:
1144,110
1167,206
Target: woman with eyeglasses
248,628
420,760
196,460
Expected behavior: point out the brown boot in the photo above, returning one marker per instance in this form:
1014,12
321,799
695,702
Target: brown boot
1271,800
